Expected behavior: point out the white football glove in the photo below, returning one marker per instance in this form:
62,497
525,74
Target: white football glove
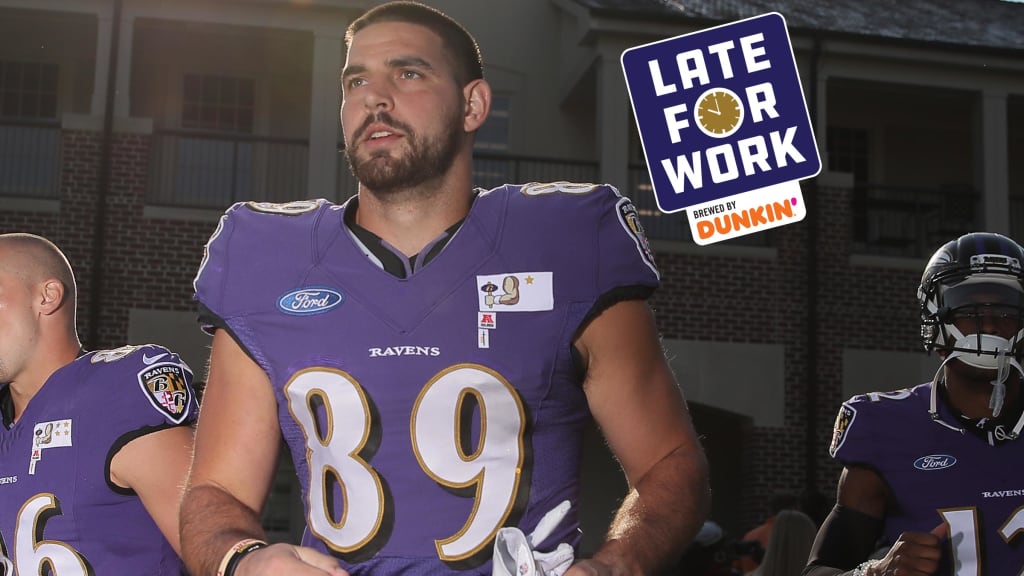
514,553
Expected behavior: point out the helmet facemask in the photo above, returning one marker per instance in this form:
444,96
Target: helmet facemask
977,304
959,317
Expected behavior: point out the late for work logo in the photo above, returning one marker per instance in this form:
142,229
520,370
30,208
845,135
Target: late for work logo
724,126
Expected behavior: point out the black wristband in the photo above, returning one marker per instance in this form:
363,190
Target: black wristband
236,553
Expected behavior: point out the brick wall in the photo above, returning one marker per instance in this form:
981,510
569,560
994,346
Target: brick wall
748,300
759,300
146,262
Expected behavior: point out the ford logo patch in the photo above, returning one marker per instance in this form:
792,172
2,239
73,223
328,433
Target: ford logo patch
934,462
308,301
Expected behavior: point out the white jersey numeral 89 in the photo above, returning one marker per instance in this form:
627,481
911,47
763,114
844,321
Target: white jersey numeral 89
493,467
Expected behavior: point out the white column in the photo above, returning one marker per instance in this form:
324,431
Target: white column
994,163
323,118
104,26
613,122
104,40
122,94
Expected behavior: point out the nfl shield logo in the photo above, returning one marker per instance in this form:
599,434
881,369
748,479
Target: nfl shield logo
166,388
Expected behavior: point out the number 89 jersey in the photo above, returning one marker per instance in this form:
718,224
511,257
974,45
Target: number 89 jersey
428,412
937,473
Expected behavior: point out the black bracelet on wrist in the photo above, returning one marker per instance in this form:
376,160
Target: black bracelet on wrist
235,554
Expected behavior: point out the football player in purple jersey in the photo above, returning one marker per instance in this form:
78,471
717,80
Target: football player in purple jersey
432,353
95,446
932,477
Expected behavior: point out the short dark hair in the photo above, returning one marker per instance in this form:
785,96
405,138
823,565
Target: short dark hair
460,44
46,261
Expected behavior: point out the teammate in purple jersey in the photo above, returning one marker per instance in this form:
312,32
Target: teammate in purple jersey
933,474
94,447
432,354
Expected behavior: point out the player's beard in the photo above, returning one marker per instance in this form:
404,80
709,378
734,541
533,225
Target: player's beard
427,158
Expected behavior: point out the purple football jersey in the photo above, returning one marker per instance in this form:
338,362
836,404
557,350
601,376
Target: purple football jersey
59,511
939,474
426,413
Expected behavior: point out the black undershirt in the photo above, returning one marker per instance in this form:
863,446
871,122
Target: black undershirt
392,262
7,406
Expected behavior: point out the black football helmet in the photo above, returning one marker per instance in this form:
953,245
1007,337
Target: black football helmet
975,275
974,281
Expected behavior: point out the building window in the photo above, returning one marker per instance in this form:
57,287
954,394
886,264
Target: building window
218,103
493,135
28,90
848,152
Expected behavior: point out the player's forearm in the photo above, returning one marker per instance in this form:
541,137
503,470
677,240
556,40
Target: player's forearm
846,538
211,522
660,516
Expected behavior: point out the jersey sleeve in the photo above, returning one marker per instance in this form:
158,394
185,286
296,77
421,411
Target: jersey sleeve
212,274
853,436
154,388
624,255
246,254
589,230
130,392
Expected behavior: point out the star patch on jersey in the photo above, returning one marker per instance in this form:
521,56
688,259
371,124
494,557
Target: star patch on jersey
516,292
53,434
630,220
843,422
167,389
